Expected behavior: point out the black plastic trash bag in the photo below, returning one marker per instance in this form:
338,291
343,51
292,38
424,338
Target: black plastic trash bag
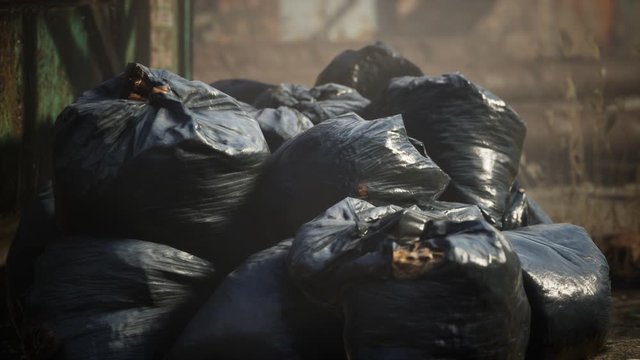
244,90
367,70
442,210
257,313
535,214
152,156
318,103
412,286
37,227
522,211
249,109
98,298
281,124
567,281
472,135
346,156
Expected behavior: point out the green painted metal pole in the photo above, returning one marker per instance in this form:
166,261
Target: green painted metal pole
186,41
27,166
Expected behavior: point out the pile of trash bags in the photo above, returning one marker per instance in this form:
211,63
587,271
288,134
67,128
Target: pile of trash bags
376,215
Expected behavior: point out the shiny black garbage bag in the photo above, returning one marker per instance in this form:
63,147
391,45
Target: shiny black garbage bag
149,148
522,210
566,278
368,70
470,133
258,314
95,298
37,227
281,124
244,90
318,103
346,156
414,284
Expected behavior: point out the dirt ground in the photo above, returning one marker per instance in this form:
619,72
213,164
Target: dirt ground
624,336
623,342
